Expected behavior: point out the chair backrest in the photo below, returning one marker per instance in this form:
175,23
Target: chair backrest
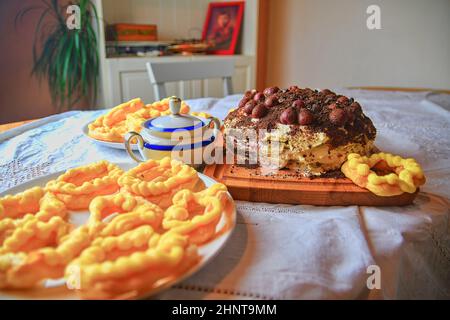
160,72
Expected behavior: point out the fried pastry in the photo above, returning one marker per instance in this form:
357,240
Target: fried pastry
110,134
18,252
112,126
127,117
130,212
157,109
33,201
77,187
29,221
196,215
158,180
24,210
129,264
397,175
23,271
129,244
32,233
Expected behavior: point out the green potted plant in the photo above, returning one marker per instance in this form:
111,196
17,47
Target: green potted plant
66,57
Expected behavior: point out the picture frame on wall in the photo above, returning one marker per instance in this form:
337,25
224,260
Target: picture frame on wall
222,26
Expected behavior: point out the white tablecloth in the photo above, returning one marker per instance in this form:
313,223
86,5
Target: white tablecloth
291,252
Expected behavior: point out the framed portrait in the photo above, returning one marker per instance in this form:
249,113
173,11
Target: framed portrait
222,26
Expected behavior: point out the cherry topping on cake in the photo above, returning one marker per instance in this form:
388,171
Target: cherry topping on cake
298,104
243,102
332,106
289,116
355,107
249,94
271,102
305,117
342,100
249,106
316,108
329,99
338,117
327,92
259,97
351,116
259,111
270,91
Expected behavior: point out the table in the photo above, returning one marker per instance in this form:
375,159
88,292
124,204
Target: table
298,252
9,126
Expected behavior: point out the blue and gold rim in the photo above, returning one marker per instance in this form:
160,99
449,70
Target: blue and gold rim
148,124
179,147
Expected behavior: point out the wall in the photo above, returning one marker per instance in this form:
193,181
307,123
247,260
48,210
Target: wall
174,18
21,97
178,18
325,43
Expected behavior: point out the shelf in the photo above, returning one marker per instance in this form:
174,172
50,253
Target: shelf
181,57
125,77
137,43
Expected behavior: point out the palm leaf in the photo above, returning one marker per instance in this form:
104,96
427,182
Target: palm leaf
67,59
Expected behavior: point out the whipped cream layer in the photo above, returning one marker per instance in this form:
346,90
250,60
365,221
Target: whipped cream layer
308,152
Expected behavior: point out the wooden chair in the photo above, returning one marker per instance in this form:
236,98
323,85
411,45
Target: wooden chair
160,72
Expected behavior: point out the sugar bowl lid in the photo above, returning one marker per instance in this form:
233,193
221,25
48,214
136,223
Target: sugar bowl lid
175,121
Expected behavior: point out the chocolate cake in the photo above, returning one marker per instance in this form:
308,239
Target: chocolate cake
308,130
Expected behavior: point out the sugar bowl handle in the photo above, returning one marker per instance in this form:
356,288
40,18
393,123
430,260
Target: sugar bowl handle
217,125
130,136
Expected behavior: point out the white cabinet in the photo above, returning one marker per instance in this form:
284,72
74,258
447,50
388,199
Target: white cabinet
133,84
128,79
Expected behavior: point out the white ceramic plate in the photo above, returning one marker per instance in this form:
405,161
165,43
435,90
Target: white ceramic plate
115,145
56,289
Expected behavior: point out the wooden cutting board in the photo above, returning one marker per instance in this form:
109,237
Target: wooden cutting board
285,186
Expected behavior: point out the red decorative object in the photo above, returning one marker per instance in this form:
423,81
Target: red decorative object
222,26
135,32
